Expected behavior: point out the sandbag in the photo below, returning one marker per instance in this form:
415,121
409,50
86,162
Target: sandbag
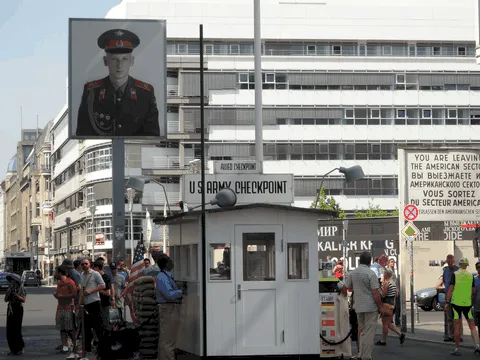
145,280
146,300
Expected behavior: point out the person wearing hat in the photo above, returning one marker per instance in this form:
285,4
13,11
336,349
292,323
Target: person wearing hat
118,105
15,297
459,296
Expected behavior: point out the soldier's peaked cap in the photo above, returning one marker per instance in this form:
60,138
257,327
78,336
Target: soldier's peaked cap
118,41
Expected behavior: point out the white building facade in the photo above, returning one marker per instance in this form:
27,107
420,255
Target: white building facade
343,83
2,225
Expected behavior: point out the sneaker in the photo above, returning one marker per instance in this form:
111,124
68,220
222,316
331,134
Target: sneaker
402,338
456,352
477,351
73,356
381,343
59,347
447,339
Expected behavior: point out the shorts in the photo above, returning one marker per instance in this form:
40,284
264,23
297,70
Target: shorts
64,320
459,310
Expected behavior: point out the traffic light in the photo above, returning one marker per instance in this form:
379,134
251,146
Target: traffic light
476,242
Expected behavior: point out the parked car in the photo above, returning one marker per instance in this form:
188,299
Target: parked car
430,298
29,278
4,284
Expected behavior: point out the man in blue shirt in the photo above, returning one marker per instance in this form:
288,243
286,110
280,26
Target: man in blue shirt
448,315
169,297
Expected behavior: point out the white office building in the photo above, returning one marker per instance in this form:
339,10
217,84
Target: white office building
344,83
2,224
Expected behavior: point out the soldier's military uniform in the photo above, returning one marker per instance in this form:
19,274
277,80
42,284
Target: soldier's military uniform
131,110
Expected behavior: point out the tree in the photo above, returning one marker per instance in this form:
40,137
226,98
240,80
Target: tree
328,203
374,211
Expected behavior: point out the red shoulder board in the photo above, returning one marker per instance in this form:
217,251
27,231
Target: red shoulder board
143,85
93,84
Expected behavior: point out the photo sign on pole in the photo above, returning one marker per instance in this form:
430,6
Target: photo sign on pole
117,79
250,188
444,184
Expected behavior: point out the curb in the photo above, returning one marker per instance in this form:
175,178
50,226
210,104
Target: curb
430,341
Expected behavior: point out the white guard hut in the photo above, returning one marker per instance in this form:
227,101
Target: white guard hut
261,280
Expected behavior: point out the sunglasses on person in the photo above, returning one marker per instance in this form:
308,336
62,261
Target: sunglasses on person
85,264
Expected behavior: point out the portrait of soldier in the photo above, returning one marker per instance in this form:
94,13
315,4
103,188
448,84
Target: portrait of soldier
118,104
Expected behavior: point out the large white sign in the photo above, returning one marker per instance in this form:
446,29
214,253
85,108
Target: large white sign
236,167
444,184
271,188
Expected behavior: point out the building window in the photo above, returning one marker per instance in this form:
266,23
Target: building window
99,159
209,49
235,49
311,49
270,78
436,51
427,113
461,51
297,259
375,113
337,50
387,50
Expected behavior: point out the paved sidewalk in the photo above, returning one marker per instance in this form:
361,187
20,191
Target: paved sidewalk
432,332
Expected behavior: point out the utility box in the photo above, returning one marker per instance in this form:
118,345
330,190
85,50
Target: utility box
261,280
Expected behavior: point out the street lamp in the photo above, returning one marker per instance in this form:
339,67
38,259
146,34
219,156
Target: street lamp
93,209
130,197
351,173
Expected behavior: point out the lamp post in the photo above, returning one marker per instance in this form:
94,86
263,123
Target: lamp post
352,173
68,221
130,197
93,209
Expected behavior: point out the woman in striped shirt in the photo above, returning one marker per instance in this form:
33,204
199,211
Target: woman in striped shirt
389,293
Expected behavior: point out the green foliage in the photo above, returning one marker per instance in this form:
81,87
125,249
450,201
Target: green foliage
328,203
374,211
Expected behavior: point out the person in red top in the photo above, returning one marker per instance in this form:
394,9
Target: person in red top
66,292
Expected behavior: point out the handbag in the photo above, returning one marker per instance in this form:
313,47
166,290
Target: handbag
387,309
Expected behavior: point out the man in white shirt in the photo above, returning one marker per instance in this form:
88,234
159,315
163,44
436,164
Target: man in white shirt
367,301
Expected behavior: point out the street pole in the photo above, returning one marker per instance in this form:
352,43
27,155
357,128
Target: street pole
130,198
202,181
36,241
257,45
93,209
68,221
118,199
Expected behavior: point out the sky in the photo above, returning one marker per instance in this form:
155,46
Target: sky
34,62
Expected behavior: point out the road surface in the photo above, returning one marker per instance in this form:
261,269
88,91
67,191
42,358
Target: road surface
41,337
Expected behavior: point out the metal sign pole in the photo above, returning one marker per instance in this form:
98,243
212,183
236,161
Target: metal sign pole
118,198
412,293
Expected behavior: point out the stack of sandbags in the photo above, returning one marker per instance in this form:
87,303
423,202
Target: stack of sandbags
146,314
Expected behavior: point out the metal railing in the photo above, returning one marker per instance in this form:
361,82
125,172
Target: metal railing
161,162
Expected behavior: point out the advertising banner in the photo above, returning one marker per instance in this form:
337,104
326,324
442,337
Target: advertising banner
117,79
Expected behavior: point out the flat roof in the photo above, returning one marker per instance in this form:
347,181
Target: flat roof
196,213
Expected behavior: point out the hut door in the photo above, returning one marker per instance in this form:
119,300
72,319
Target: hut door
259,273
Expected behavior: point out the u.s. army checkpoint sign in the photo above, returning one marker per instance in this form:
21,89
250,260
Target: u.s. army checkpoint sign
250,188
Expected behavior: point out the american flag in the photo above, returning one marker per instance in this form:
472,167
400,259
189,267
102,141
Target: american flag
135,272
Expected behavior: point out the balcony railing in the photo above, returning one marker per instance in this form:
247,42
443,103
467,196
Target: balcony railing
172,91
161,162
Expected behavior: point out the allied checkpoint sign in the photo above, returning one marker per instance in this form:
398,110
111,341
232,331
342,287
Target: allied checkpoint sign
250,188
443,183
117,79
